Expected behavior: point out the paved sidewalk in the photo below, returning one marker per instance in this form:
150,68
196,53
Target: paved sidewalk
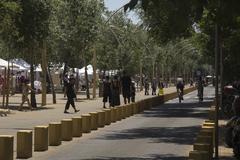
26,120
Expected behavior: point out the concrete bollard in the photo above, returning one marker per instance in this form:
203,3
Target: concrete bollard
135,108
77,126
124,112
24,144
128,110
67,131
209,121
40,138
205,139
212,113
204,147
141,106
206,133
198,155
86,123
113,115
119,110
94,120
116,113
107,116
54,133
6,147
132,109
101,118
209,124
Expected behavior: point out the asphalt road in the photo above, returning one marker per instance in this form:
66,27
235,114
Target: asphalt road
165,132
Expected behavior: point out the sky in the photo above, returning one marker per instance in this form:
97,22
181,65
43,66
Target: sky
116,4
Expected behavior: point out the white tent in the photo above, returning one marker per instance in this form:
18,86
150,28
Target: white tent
4,63
21,63
89,70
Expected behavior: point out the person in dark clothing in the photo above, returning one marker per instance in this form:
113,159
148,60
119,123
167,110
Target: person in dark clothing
180,87
106,91
154,86
146,86
133,91
126,84
70,95
65,83
115,90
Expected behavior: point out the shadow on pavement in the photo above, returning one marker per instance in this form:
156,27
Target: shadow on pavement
177,135
194,110
151,157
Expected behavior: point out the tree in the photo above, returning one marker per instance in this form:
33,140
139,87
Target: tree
33,26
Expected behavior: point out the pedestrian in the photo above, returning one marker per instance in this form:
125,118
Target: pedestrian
146,86
70,92
115,90
65,83
106,91
25,92
126,83
133,91
160,86
154,86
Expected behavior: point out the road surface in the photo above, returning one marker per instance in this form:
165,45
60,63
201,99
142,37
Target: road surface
165,132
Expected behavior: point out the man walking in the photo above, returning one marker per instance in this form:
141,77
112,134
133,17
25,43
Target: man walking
106,91
70,95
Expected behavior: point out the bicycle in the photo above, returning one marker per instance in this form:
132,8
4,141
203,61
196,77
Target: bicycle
180,96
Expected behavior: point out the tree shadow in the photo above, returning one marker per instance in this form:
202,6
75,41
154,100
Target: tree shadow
194,110
177,135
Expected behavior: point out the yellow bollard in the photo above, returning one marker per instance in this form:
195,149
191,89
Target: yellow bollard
67,131
101,118
24,144
94,120
40,138
131,109
6,147
135,108
124,112
107,116
115,109
212,113
204,147
198,155
86,123
113,115
54,131
77,126
119,113
209,121
209,124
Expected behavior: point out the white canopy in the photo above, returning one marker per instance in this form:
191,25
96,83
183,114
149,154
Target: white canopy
4,63
89,69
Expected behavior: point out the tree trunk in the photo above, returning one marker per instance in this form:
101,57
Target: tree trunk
7,85
77,81
87,83
141,77
4,87
162,72
52,86
94,73
33,97
44,74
